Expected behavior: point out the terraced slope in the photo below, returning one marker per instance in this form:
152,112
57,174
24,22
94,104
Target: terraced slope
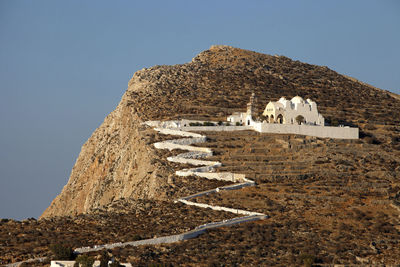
122,221
118,161
329,201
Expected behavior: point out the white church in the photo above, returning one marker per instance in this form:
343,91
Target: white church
294,111
294,116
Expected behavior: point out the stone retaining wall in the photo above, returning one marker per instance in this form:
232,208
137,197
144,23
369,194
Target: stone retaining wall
217,128
317,131
219,208
179,128
192,157
174,238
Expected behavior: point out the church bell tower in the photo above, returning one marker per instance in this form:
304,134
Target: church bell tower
251,106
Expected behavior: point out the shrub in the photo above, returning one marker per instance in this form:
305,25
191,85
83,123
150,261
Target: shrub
84,261
136,237
372,140
220,123
237,123
370,127
307,259
207,123
61,252
363,134
195,124
104,259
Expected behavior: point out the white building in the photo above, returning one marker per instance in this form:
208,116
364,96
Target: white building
244,118
237,117
282,111
71,264
294,116
294,111
62,263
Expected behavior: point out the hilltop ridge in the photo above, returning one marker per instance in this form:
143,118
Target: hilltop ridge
326,201
118,161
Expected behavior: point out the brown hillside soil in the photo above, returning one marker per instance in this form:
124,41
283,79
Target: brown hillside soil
279,242
330,201
119,161
333,201
122,221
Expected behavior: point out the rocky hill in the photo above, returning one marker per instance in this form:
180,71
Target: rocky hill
118,161
328,201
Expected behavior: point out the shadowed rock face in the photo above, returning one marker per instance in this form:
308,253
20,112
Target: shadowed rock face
119,161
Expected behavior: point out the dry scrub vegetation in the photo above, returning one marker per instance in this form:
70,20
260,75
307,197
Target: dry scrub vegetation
121,221
330,201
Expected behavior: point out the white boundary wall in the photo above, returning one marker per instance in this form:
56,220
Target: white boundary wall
62,263
175,238
217,128
204,171
219,208
199,152
71,264
311,130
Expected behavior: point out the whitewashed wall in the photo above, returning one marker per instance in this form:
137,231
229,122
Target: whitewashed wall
217,128
317,131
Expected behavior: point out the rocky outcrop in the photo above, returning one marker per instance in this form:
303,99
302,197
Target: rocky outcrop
114,163
118,161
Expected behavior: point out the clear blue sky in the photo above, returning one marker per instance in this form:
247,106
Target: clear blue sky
64,66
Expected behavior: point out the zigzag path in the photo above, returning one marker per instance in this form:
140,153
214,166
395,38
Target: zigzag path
204,170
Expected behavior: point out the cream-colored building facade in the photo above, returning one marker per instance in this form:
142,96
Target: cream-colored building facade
282,111
294,111
295,116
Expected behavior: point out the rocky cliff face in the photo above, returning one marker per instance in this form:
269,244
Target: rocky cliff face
114,163
118,161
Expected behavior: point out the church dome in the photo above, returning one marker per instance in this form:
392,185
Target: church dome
297,100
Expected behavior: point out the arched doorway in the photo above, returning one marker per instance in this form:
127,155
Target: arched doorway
300,119
266,118
279,119
271,119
